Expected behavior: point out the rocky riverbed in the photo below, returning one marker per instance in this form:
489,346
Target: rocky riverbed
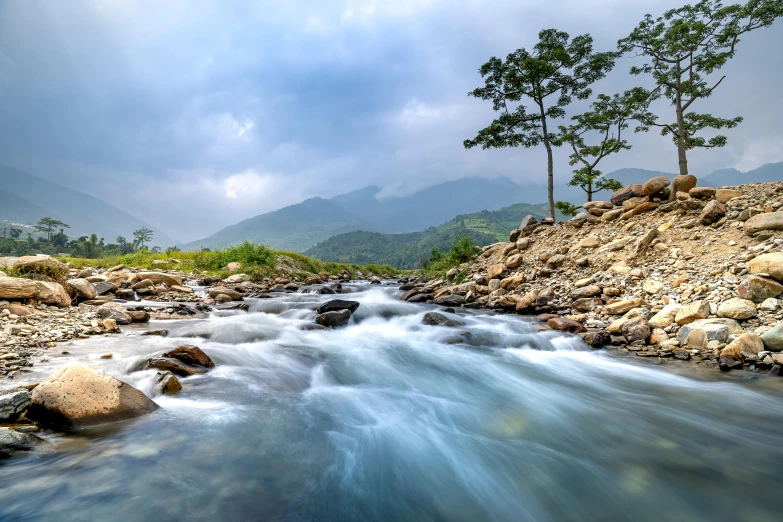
662,270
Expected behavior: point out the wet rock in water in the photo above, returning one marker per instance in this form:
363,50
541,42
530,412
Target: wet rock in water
13,404
114,311
166,383
159,332
333,319
730,363
336,305
436,319
636,329
597,339
737,308
174,366
451,300
138,316
75,397
190,354
217,291
773,339
566,325
324,290
233,306
309,327
13,443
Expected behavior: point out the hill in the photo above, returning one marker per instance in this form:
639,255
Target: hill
85,214
407,249
764,174
295,227
14,209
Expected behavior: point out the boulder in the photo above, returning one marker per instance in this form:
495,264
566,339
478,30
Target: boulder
13,403
512,283
556,261
682,183
636,329
437,319
104,287
597,339
333,319
702,192
587,304
692,312
83,288
114,311
12,443
737,308
233,267
160,277
758,289
626,193
181,289
771,264
725,195
716,329
773,339
233,295
166,383
566,325
496,271
765,221
40,265
606,205
620,307
138,316
192,355
75,397
336,305
514,261
585,291
656,184
174,366
747,342
712,212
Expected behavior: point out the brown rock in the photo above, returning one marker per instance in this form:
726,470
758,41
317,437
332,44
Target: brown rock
174,366
620,307
192,355
757,288
496,271
83,288
683,183
765,221
711,213
691,312
215,291
75,397
724,195
702,192
166,383
625,193
585,291
656,184
565,325
746,342
771,264
514,261
160,277
636,329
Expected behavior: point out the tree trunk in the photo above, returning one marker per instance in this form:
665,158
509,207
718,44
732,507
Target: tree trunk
550,170
681,157
589,191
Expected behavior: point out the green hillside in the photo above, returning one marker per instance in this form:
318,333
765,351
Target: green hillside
406,250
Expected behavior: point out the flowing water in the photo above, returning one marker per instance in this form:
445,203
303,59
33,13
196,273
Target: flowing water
389,419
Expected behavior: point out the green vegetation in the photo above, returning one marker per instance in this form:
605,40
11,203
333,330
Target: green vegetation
414,249
684,47
461,251
557,70
257,261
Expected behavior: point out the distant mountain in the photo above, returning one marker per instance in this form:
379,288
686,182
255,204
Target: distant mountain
85,214
406,250
296,227
14,209
763,174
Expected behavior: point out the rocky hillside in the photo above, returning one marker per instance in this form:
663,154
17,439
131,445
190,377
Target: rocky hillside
663,270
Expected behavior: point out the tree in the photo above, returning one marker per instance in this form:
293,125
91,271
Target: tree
684,47
607,119
15,233
141,236
47,225
557,67
124,245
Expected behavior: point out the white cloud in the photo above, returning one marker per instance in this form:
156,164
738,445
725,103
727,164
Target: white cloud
248,186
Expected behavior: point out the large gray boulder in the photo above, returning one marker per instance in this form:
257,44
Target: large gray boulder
765,221
76,397
13,403
13,442
716,329
83,288
49,293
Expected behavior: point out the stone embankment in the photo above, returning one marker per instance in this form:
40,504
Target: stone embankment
663,270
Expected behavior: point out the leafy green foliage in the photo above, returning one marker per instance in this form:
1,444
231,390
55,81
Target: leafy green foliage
566,208
461,251
558,68
47,226
684,47
606,121
142,236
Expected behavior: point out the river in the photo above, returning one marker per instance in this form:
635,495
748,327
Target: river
388,419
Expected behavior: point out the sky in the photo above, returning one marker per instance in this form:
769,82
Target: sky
195,114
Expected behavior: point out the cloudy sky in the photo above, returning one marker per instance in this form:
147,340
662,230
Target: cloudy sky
193,114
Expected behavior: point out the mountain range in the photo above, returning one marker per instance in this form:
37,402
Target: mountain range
25,198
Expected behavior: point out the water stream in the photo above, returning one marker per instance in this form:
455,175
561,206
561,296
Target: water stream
389,419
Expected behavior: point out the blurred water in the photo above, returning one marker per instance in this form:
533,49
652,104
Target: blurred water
386,420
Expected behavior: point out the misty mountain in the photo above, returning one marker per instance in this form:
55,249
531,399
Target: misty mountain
14,209
295,227
763,174
84,213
